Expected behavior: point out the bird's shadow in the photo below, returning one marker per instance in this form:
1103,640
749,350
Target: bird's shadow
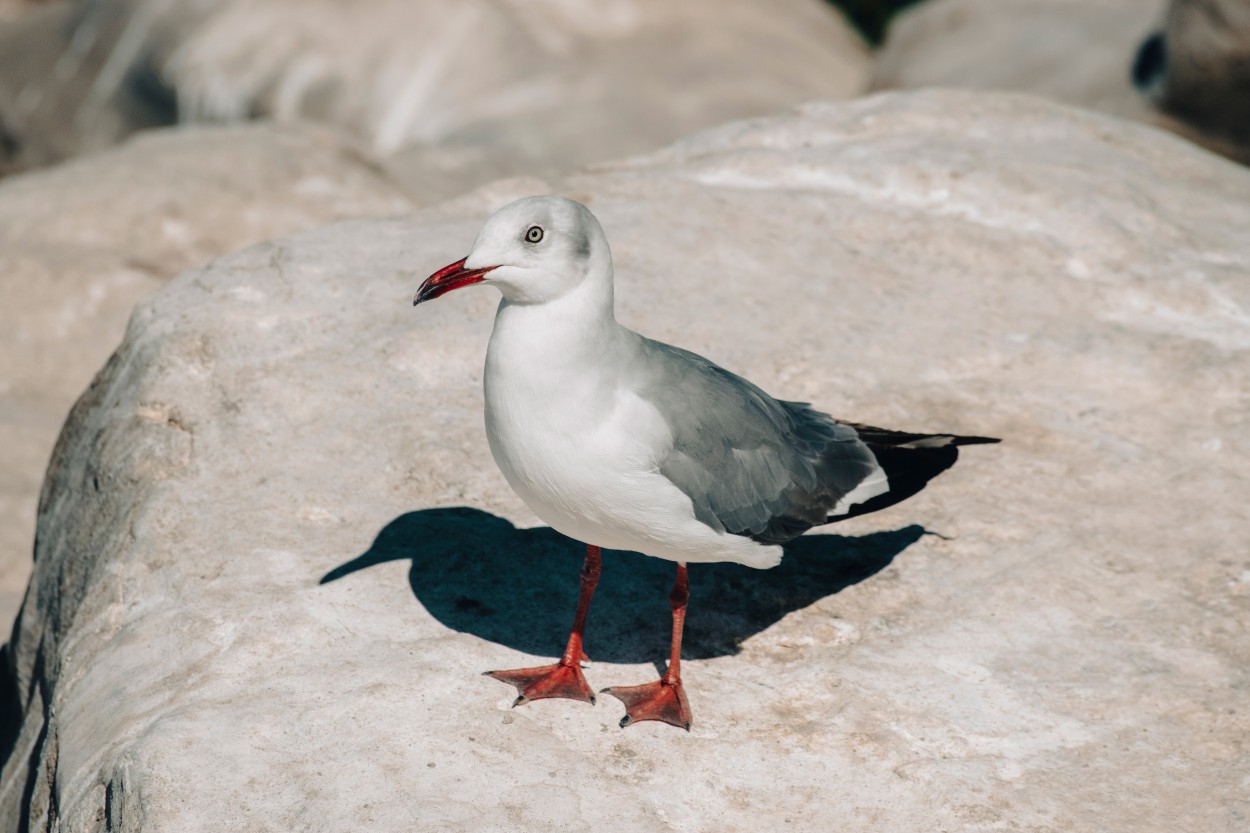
478,574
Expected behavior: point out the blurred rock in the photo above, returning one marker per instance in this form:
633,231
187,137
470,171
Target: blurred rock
482,88
1076,51
649,73
10,9
1197,70
1091,53
80,243
60,94
253,608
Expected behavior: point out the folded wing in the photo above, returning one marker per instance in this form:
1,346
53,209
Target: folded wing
769,469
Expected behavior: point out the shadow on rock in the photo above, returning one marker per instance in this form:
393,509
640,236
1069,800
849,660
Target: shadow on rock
478,574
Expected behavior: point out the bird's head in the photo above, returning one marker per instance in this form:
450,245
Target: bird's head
535,250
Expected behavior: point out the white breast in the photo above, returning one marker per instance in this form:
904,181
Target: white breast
581,449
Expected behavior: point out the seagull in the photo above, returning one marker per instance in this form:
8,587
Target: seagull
626,443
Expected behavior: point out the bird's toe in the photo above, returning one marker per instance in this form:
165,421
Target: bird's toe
545,682
660,700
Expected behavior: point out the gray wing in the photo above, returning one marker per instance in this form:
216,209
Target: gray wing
751,465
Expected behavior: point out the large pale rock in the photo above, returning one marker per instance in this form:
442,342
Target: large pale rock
256,606
80,243
492,87
1076,51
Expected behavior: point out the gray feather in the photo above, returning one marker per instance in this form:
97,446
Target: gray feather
750,464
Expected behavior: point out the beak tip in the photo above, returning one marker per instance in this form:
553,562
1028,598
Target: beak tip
452,276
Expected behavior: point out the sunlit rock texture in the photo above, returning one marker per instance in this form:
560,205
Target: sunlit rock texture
82,242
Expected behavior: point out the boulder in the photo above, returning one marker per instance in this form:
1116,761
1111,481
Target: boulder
81,242
1183,66
60,96
490,87
1076,51
1197,70
274,554
11,9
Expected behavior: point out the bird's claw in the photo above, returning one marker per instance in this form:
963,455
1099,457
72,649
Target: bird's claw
660,700
543,682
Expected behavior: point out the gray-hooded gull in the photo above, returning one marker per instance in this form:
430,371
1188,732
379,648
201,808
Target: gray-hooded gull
626,443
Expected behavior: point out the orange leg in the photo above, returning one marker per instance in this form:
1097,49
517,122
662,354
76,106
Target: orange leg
663,699
564,679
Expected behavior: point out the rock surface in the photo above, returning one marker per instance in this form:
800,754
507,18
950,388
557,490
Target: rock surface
80,243
13,9
1075,51
59,94
1197,69
258,607
1191,77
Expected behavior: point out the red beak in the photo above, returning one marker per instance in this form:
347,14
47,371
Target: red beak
452,276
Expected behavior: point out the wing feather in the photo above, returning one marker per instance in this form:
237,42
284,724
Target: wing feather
750,464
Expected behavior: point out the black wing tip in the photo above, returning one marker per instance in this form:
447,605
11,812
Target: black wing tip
975,440
873,435
910,466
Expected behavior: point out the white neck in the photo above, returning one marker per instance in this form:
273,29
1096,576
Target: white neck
563,350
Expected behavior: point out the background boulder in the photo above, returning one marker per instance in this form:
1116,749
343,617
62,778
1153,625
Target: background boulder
521,85
1076,51
61,92
274,553
81,243
1197,70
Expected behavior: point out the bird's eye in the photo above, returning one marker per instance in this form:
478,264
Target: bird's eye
533,234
